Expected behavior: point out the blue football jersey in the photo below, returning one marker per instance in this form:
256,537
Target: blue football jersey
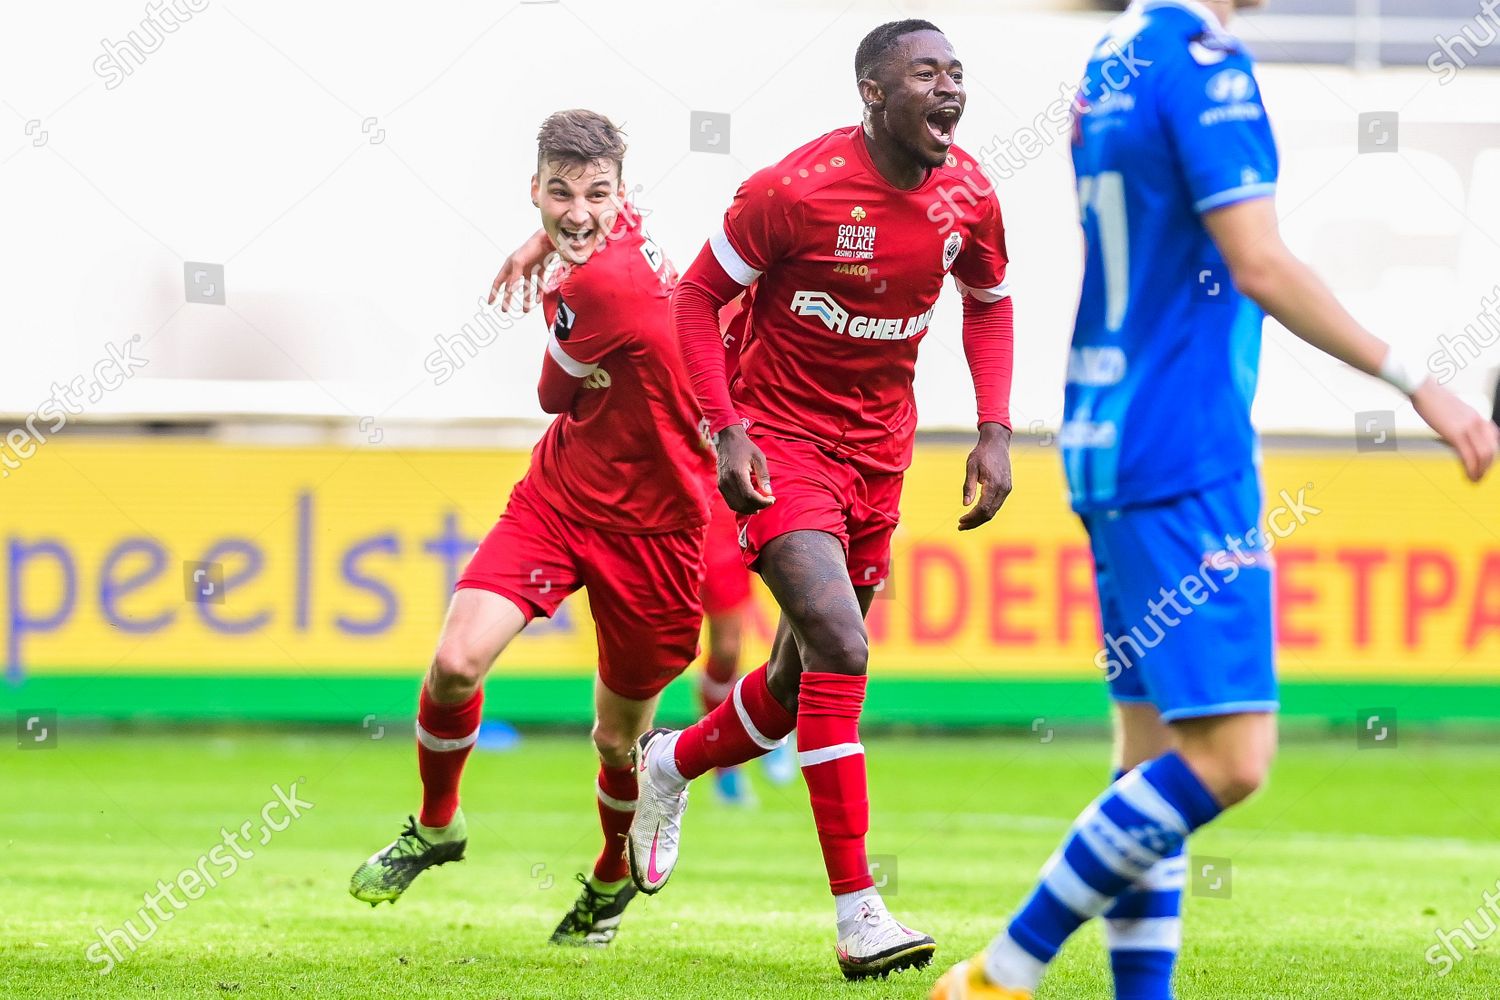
1168,125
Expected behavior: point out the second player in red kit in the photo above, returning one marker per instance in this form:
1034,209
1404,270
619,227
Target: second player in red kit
615,501
841,249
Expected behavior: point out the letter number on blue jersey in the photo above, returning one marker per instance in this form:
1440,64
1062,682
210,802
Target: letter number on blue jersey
1104,195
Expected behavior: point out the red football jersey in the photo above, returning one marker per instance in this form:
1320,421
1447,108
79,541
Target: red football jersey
845,270
631,455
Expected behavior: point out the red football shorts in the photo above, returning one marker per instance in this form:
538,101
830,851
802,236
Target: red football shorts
642,589
726,581
822,492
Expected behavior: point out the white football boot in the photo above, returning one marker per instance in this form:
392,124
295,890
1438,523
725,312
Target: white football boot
657,827
877,944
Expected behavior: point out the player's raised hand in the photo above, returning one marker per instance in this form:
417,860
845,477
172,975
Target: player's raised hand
520,277
1460,425
744,480
987,476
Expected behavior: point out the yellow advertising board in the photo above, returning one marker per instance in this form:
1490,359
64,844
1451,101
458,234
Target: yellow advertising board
339,561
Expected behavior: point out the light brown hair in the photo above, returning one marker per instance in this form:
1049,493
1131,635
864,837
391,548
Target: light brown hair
579,136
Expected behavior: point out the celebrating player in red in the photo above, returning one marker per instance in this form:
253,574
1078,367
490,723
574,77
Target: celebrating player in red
614,502
844,246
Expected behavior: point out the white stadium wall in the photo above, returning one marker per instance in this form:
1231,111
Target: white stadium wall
359,177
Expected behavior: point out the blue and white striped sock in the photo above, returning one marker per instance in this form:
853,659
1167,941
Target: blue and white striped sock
1139,820
1144,930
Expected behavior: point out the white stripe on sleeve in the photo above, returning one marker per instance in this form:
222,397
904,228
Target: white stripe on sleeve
729,259
577,369
1000,291
1233,195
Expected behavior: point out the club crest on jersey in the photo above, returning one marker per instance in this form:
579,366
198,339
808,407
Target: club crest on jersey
951,246
824,307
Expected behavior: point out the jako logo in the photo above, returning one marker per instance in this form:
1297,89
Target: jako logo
835,317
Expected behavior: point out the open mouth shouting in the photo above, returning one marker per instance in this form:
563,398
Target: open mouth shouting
579,242
943,122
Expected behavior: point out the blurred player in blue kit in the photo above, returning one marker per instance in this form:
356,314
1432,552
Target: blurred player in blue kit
1177,172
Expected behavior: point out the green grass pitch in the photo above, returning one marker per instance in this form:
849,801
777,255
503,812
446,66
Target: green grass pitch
1342,872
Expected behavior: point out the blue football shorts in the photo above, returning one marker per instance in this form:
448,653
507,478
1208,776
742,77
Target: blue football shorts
1185,602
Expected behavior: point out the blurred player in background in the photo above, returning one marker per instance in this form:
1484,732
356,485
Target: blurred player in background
726,600
726,592
614,502
844,247
1176,172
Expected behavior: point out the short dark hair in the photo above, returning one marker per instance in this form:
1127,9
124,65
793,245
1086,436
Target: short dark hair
878,44
579,136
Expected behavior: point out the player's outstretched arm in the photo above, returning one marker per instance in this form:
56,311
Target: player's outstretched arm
989,346
520,277
1263,267
705,289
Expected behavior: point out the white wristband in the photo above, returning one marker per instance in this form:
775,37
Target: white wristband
1394,371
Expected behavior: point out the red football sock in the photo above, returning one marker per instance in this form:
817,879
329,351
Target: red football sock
716,682
616,790
445,735
724,737
833,764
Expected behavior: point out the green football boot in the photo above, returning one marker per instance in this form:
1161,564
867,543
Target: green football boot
595,917
390,870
